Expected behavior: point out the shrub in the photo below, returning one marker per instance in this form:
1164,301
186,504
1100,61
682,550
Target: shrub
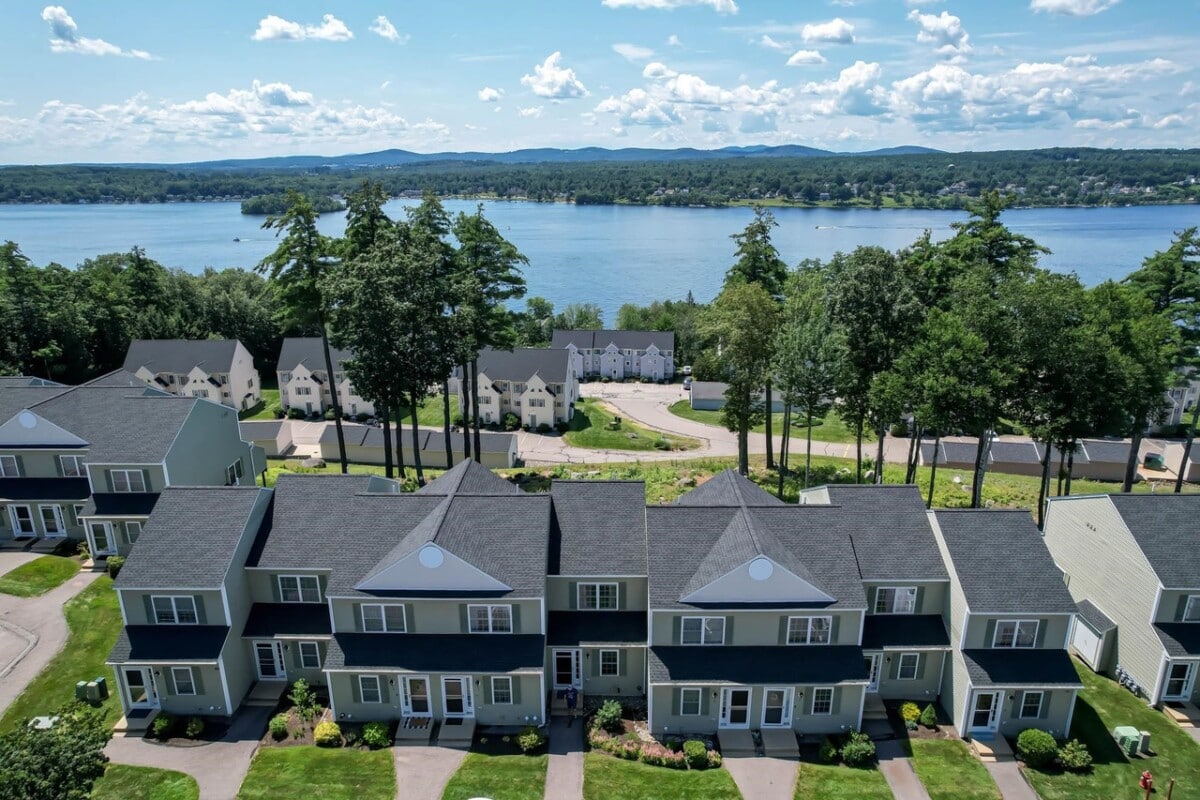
195,727
295,413
327,734
859,751
83,552
910,724
714,759
543,427
661,444
900,429
929,716
458,421
1074,756
910,712
511,421
828,752
278,727
114,566
375,735
1036,747
530,739
361,417
696,753
562,427
163,725
329,415
304,698
608,717
279,413
350,737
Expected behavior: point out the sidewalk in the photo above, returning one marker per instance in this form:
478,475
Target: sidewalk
564,774
765,778
423,772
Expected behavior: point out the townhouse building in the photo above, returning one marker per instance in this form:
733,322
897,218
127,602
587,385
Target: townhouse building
305,383
538,385
619,354
221,370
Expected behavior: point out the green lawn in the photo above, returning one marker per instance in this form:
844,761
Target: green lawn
1102,706
829,429
264,410
94,619
315,772
837,782
606,777
123,782
39,576
279,466
429,415
950,771
515,777
592,427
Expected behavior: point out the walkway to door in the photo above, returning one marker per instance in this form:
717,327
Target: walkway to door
764,778
564,773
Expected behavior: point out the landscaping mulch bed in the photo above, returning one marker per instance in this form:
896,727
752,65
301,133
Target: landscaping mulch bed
214,731
299,730
502,742
944,730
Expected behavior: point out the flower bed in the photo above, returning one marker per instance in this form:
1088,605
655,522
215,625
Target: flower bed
673,755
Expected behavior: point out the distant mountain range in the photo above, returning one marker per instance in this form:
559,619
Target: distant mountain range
540,155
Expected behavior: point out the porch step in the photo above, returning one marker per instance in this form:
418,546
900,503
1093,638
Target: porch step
1186,716
414,730
874,708
456,733
992,750
265,694
136,721
736,743
780,743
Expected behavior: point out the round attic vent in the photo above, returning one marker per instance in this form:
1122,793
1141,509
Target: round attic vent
27,419
761,569
430,556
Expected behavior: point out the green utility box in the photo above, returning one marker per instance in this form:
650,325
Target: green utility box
93,692
102,686
1127,738
81,691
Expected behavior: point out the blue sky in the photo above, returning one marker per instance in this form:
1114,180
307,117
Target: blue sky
147,80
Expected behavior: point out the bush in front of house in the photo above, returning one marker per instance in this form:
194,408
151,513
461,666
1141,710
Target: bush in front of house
1074,756
910,711
859,750
279,413
530,739
195,727
511,421
544,428
278,726
929,716
696,753
829,752
1036,747
375,735
305,700
114,566
162,726
327,734
608,717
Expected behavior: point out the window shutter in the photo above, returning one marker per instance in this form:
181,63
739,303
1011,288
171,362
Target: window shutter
704,701
463,622
58,466
358,620
170,680
150,620
516,689
989,633
728,631
516,618
835,624
573,595
296,660
676,630
146,480
783,629
676,696
410,619
1181,608
1040,639
836,706
487,691
355,689
919,600
21,467
276,595
921,659
594,663
1015,713
322,584
201,617
198,680
108,479
894,670
384,695
621,601
1044,711
872,597
622,662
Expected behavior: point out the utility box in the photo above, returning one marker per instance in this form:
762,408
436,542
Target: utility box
1144,743
102,686
93,692
81,690
1128,739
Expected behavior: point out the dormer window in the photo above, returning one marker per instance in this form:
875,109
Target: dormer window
284,377
1015,633
598,596
174,610
1191,612
702,630
128,480
299,589
896,600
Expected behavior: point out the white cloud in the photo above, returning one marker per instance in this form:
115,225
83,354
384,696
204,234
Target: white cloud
273,28
489,95
632,52
836,31
1074,8
769,43
944,31
803,58
720,6
922,2
673,41
637,107
856,90
382,26
550,79
65,38
531,111
1169,121
385,84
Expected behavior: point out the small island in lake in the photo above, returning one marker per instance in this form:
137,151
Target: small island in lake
264,204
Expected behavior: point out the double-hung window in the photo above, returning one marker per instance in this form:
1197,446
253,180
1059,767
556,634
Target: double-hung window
1031,705
502,693
132,531
310,655
610,663
490,619
598,596
822,700
128,480
689,702
299,589
72,466
8,467
809,630
233,473
368,687
383,618
184,682
1191,611
1015,633
52,520
22,520
907,668
702,630
896,600
174,610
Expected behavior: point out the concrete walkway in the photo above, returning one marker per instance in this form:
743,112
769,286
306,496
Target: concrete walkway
564,774
32,631
218,767
765,778
897,770
423,772
11,559
1008,777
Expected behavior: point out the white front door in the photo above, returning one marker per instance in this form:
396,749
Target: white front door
52,521
735,708
22,522
1181,676
777,707
103,541
567,669
985,714
139,688
456,696
416,696
873,663
269,661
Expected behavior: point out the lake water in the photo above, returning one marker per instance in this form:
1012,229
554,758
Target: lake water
608,255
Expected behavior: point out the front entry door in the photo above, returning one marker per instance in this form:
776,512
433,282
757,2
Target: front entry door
985,715
103,541
567,670
735,708
139,688
270,665
777,707
416,696
873,663
456,697
1180,677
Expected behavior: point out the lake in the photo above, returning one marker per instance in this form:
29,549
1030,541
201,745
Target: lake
607,255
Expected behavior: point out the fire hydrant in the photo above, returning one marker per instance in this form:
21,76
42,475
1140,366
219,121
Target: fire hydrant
1147,781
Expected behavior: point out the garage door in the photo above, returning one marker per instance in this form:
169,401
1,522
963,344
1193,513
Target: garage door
1086,643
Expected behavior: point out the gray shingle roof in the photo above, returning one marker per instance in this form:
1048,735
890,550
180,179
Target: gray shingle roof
728,488
890,527
430,439
599,528
708,390
1015,668
1002,563
168,643
191,537
260,429
1105,451
750,665
415,652
523,363
14,399
1164,527
180,356
44,489
598,340
1095,618
950,452
1179,639
574,628
468,477
307,350
7,381
904,630
288,619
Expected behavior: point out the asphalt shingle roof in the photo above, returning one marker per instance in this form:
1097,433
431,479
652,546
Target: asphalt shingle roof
1002,563
414,652
168,643
120,504
180,356
307,350
904,630
1179,639
728,488
1164,527
599,528
430,439
574,628
1094,617
523,363
287,619
750,665
191,537
44,488
1009,667
598,340
468,477
260,429
890,528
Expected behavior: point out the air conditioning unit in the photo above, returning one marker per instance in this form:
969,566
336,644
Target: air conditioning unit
1144,742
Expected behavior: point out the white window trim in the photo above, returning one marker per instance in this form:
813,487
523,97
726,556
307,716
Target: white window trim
60,523
1191,611
316,654
77,510
174,598
916,663
896,590
616,665
362,689
299,588
234,474
683,693
383,620
495,679
191,679
808,630
5,472
703,632
813,707
1041,702
1017,623
133,539
491,608
595,587
12,515
77,465
141,479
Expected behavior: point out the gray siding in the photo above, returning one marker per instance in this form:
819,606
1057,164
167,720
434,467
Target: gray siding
924,688
751,628
209,607
209,699
1052,629
631,663
438,616
562,593
343,691
931,595
207,443
665,718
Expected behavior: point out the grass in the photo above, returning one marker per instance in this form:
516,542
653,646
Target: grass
950,771
122,782
1102,706
265,410
829,429
308,771
594,426
506,777
608,778
429,415
38,576
94,620
837,782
